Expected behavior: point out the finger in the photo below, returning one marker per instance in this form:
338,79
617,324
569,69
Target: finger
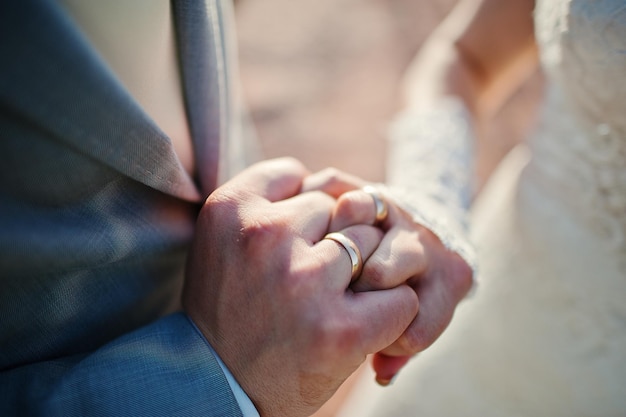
353,207
307,214
439,294
384,315
399,257
366,238
433,318
273,180
332,181
387,367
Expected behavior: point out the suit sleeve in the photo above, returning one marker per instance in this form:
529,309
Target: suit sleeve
164,369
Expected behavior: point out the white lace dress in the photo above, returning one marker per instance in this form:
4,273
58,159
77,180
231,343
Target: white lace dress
545,332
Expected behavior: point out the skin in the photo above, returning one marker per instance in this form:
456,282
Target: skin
272,296
481,53
275,299
408,254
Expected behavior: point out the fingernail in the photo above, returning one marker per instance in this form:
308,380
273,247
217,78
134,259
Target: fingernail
383,382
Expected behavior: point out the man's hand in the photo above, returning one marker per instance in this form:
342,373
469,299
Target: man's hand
408,253
272,295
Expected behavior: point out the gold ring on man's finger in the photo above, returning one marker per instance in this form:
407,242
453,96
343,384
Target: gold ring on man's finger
356,260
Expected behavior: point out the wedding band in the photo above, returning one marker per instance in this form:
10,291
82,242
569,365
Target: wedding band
379,202
353,252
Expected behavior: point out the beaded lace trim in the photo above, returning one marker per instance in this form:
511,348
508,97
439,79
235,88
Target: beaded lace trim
429,171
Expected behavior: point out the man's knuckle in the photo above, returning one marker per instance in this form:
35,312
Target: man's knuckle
347,208
258,233
332,176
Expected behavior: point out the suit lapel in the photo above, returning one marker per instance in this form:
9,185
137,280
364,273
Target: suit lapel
52,78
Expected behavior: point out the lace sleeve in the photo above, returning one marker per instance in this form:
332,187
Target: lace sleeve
430,171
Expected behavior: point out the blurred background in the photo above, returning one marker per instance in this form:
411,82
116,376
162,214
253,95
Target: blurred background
322,79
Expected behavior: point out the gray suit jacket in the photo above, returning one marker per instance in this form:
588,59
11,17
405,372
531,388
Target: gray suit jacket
96,214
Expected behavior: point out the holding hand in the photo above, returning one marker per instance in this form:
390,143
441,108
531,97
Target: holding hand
272,295
407,254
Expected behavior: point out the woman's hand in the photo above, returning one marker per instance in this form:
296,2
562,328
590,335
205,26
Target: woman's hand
407,254
272,296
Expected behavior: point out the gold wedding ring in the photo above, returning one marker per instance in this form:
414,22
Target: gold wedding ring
353,252
379,203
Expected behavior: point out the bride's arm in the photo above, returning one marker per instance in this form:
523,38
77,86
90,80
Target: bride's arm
481,50
480,53
467,68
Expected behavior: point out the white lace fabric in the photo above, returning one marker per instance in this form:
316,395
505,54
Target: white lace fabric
579,151
430,171
546,333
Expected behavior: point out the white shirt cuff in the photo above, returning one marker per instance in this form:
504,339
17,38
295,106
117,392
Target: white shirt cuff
247,408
